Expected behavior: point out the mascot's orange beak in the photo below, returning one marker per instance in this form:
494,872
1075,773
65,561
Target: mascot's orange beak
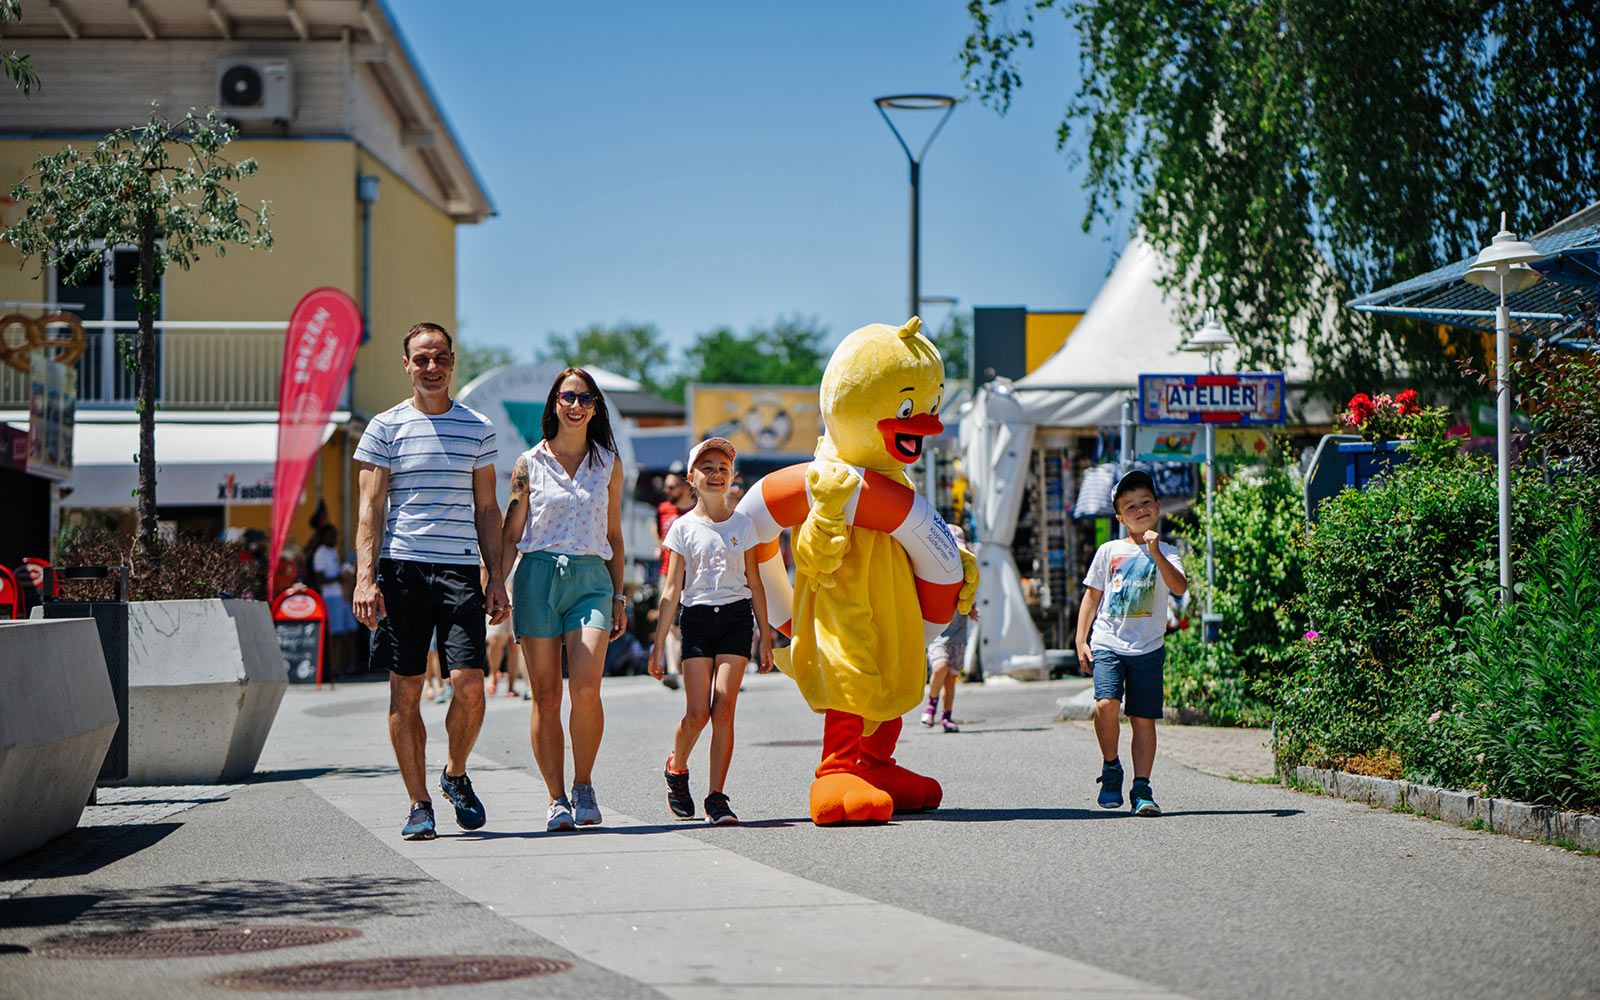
903,435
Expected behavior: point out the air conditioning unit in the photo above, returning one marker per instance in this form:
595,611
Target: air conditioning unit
253,89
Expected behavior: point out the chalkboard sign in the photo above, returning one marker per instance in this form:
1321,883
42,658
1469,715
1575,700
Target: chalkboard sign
301,643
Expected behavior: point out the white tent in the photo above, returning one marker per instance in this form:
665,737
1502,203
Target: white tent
1131,328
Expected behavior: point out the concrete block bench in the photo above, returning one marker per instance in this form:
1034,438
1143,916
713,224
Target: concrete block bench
57,717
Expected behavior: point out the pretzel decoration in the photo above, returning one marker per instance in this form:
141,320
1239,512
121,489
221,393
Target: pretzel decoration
36,336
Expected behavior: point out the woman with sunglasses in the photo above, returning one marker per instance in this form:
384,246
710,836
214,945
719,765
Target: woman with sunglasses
565,516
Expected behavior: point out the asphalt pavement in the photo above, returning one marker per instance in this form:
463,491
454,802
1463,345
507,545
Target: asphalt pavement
1018,884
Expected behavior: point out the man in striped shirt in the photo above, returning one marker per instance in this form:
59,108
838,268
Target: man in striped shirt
430,462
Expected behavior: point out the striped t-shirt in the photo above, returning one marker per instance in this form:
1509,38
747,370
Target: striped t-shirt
430,458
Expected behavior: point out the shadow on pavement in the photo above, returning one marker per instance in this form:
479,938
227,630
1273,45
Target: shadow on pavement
43,911
87,849
687,825
996,815
307,773
339,897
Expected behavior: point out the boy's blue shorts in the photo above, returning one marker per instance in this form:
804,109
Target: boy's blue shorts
1137,676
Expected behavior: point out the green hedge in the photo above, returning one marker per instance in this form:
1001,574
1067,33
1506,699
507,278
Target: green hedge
1258,530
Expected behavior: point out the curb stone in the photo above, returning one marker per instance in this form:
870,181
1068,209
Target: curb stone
1517,819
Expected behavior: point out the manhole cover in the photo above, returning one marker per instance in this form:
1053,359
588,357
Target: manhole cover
189,942
390,973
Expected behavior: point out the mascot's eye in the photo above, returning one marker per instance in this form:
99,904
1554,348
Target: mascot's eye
907,407
934,409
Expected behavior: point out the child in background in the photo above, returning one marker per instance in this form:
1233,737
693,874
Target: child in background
946,653
1122,630
712,571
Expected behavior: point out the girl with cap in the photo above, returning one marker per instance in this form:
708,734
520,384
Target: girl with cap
713,573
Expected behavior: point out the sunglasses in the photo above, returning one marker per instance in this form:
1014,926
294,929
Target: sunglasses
583,400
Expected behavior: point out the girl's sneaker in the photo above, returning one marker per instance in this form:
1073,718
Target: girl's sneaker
949,724
717,810
928,715
560,816
587,811
679,798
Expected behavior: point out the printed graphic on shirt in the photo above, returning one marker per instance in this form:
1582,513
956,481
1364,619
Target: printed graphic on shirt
1132,593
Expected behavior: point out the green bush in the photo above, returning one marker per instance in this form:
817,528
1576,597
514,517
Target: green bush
1258,529
1388,571
1527,707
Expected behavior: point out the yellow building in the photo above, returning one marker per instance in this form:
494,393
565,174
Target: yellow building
354,153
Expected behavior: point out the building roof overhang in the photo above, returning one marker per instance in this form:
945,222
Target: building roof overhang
366,25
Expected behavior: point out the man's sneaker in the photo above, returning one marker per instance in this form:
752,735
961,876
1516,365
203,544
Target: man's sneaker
587,811
717,810
469,809
1110,786
1142,801
928,715
419,825
949,724
560,816
679,798
671,681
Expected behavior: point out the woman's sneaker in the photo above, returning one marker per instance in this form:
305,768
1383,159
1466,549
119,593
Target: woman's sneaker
560,816
679,798
1110,786
949,724
928,715
1142,802
419,825
717,810
587,810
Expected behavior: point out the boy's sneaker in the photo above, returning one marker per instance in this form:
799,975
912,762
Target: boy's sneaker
928,716
587,810
560,816
469,808
1110,786
1142,801
717,810
679,798
419,825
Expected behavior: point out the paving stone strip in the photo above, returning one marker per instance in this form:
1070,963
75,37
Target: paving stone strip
1522,820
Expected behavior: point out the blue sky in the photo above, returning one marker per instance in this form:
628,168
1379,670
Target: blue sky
722,163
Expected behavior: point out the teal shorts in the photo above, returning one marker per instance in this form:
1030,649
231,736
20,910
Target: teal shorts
553,594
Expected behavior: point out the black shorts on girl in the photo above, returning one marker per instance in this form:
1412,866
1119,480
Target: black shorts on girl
711,630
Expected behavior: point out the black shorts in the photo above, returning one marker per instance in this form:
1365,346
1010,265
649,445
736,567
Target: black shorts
711,630
426,601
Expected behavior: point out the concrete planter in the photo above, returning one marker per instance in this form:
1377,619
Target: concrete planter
57,717
205,679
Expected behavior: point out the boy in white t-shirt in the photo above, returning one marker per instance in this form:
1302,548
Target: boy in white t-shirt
712,572
1122,627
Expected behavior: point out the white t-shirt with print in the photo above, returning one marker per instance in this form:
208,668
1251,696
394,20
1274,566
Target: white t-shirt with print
1132,617
713,556
325,563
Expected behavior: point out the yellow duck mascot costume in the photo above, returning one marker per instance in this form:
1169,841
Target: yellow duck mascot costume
870,554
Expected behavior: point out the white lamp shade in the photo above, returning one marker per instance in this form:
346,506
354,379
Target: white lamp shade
1488,277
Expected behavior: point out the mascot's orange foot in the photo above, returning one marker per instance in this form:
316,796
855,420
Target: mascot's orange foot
912,792
844,797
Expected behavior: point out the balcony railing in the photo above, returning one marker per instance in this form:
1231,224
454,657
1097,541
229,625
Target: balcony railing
200,365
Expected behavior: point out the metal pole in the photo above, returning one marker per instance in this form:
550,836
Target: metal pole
1125,453
916,239
1502,381
1211,557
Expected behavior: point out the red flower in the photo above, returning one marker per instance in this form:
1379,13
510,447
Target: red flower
1361,407
1408,402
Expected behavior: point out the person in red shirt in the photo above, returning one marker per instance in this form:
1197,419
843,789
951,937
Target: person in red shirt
680,499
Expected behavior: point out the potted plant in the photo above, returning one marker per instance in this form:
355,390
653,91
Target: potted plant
1385,423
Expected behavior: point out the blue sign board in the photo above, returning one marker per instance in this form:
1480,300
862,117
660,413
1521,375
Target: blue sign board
1245,398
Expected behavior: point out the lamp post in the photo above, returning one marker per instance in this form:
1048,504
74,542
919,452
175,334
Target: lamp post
1502,268
1210,339
915,102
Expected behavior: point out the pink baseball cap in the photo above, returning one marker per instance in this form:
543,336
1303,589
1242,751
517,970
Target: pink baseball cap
721,444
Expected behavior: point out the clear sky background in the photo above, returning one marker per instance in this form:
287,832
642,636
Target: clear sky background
722,163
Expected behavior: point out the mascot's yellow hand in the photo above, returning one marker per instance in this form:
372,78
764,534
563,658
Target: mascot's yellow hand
822,540
969,583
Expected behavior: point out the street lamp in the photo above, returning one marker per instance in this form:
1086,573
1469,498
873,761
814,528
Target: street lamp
916,102
1503,268
1211,339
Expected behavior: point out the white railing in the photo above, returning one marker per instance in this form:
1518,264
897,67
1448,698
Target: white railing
201,365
